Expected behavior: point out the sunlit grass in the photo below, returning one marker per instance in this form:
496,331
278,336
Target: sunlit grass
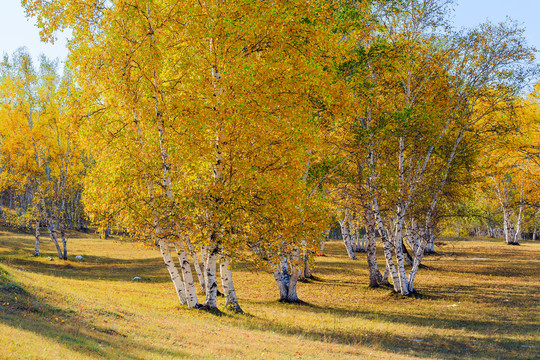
477,299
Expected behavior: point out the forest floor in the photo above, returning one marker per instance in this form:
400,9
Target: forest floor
477,299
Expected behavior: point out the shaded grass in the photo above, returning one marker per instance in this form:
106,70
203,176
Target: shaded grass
464,308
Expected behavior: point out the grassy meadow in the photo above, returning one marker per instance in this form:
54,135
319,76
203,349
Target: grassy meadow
476,299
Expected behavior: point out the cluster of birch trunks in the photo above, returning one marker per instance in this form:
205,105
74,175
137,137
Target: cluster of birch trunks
28,211
296,265
292,268
420,240
184,282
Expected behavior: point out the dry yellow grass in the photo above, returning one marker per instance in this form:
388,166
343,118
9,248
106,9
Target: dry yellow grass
477,299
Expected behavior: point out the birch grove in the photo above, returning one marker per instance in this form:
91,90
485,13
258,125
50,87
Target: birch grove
431,110
224,132
42,164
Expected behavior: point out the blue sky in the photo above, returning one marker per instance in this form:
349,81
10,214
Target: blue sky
469,13
17,31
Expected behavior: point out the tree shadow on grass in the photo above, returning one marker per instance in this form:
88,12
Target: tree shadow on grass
21,310
110,269
429,321
16,250
490,269
492,346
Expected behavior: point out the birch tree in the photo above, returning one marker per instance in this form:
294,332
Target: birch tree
202,109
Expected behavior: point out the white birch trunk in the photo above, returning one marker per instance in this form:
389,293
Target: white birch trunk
346,235
412,236
210,267
354,238
306,270
418,259
420,251
359,242
36,248
414,270
173,271
282,281
189,284
430,247
398,224
535,229
398,249
203,254
384,280
287,280
375,276
517,233
387,247
231,301
324,239
64,240
53,236
193,254
191,300
363,243
408,258
509,231
203,257
292,296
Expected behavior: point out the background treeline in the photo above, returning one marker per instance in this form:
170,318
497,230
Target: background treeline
42,165
230,131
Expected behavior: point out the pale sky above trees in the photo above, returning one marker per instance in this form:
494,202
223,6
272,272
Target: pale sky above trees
17,31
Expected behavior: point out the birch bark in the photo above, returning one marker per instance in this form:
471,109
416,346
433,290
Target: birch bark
430,247
210,265
375,276
282,281
387,247
64,240
36,248
428,224
306,270
286,275
292,296
535,226
54,238
385,276
346,234
196,264
189,284
173,271
231,301
517,232
408,258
